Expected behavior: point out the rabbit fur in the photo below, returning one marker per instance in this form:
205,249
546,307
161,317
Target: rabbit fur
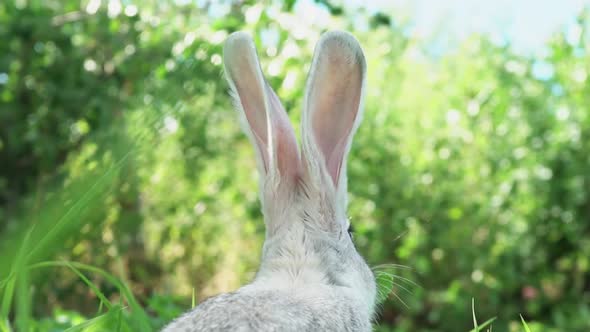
311,278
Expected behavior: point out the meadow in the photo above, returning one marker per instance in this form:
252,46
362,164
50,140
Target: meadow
128,193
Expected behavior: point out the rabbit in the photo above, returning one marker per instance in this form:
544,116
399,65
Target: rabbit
311,278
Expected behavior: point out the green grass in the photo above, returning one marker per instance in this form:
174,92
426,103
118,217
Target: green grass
477,327
39,239
488,323
16,284
39,242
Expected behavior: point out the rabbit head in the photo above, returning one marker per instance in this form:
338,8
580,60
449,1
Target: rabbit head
303,192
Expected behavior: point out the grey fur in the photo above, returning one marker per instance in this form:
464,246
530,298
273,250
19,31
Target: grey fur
311,277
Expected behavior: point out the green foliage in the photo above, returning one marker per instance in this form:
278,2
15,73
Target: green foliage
127,190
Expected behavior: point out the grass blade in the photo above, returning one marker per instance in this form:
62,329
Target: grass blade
98,323
473,312
95,191
139,316
7,297
483,325
23,300
95,289
526,326
21,286
477,327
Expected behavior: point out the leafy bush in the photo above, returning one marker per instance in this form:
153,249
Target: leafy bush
119,149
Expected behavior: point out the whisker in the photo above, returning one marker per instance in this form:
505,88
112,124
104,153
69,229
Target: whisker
391,266
407,281
402,287
399,236
393,276
400,299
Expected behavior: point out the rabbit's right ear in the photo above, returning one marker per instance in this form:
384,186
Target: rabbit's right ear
333,107
263,117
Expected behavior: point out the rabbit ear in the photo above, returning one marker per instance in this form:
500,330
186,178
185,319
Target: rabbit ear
263,117
333,105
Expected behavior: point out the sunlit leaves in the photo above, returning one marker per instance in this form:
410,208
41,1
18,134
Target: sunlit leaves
471,166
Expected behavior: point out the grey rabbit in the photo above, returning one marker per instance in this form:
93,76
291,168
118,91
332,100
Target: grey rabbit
311,278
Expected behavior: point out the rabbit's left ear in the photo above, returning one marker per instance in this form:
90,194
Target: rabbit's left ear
263,117
333,106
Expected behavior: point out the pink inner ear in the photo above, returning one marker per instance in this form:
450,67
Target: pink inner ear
252,100
335,101
242,70
287,154
267,122
335,160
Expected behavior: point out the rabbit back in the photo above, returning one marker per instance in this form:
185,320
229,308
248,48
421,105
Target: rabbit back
252,309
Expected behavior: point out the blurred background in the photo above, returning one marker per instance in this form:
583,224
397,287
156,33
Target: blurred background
128,192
